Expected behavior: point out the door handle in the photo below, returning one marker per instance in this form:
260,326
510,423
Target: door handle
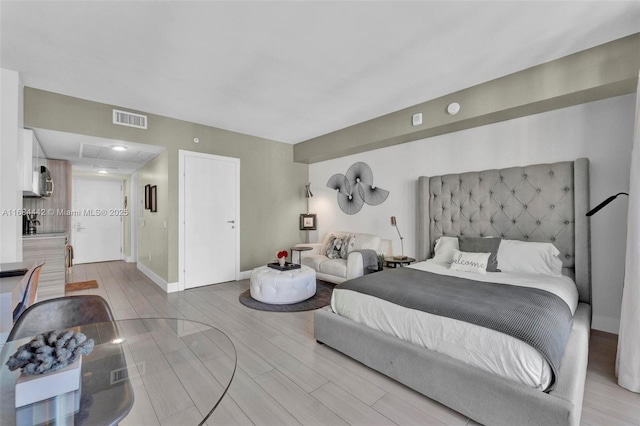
231,221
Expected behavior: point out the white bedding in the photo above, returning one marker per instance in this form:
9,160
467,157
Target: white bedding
484,348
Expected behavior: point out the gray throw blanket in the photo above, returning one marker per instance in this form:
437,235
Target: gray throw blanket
537,317
369,258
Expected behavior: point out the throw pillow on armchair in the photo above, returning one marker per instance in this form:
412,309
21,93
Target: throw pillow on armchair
336,249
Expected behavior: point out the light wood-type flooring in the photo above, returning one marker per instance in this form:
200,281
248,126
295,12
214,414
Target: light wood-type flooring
284,377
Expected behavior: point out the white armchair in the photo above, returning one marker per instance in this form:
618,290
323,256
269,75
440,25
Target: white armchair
340,269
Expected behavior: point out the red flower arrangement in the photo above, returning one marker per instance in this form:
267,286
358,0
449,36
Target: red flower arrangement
282,254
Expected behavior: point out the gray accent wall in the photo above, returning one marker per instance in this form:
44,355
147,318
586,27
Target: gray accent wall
271,184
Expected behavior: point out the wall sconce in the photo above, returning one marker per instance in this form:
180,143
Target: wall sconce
307,188
394,223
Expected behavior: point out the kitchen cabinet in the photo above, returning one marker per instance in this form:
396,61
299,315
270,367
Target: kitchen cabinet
33,159
50,248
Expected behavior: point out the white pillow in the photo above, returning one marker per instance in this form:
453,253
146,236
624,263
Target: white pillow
444,249
470,262
523,256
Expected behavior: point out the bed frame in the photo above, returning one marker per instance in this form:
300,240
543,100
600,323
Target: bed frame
543,202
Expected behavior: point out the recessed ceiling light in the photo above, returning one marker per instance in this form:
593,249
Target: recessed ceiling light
103,172
119,148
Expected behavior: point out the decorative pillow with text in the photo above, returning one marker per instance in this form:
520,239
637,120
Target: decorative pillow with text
470,262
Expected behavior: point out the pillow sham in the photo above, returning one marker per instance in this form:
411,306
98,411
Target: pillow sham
470,262
443,250
482,245
524,256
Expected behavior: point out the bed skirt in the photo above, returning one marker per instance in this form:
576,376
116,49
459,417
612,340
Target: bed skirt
484,397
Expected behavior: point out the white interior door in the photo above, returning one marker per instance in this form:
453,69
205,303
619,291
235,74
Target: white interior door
209,210
97,221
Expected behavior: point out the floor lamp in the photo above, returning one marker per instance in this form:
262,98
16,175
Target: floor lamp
597,208
308,220
308,194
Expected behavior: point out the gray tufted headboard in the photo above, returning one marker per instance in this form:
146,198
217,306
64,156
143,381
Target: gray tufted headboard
542,202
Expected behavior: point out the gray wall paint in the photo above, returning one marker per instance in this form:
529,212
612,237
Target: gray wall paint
271,184
153,237
598,73
601,131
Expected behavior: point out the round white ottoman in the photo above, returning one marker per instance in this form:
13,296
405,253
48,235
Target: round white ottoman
269,285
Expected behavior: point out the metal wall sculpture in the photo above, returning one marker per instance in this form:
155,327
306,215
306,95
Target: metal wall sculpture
356,188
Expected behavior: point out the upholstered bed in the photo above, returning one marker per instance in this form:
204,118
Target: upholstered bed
539,203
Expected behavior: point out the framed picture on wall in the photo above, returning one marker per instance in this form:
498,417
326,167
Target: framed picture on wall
307,222
153,202
147,197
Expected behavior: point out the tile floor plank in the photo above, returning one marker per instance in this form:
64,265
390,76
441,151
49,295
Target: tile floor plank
228,413
402,413
257,404
306,409
362,389
351,409
303,376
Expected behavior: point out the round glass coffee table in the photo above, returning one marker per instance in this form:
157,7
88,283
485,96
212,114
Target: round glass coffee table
139,369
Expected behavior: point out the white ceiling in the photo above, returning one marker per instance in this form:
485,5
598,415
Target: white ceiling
91,154
290,71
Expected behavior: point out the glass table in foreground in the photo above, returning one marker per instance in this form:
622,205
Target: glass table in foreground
141,371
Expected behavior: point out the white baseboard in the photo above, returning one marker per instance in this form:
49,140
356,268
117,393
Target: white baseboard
129,259
167,287
608,324
245,275
173,287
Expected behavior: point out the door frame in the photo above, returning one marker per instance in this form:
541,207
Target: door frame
77,214
133,218
182,154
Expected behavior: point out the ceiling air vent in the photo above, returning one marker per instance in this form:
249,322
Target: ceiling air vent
130,119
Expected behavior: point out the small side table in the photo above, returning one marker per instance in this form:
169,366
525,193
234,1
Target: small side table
395,263
299,249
